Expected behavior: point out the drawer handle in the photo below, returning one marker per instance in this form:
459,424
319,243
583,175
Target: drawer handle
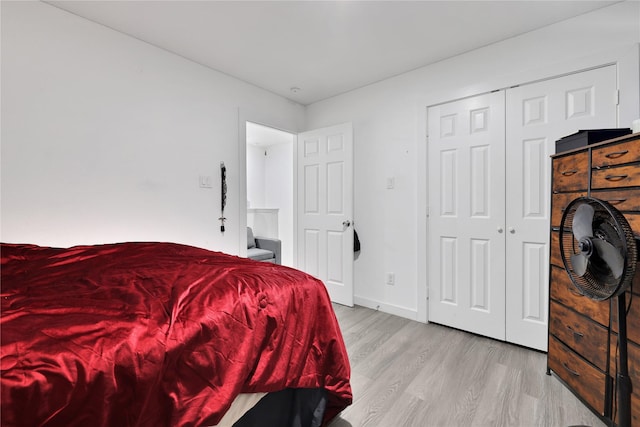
569,173
615,177
575,333
616,201
616,154
571,371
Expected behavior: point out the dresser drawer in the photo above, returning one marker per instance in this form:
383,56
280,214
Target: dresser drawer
584,336
634,222
624,199
565,292
586,380
620,176
559,202
616,154
571,173
635,411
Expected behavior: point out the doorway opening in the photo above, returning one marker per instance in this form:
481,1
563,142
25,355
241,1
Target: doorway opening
270,190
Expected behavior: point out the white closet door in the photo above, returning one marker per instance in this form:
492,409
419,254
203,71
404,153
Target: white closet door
537,115
466,204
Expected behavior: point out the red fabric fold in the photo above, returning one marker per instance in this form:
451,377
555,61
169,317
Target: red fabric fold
157,334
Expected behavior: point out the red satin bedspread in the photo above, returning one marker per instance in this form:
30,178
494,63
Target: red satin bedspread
157,334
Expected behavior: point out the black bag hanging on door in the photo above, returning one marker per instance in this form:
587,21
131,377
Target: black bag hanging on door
356,241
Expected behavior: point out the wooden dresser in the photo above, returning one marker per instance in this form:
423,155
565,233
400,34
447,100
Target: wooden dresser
582,332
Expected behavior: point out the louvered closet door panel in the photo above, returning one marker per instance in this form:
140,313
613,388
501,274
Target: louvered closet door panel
537,115
466,198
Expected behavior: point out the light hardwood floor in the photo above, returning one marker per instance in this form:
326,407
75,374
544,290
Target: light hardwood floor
406,373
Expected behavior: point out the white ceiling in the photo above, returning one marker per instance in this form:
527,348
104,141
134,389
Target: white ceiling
324,48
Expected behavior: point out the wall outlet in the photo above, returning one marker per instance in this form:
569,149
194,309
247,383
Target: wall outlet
391,279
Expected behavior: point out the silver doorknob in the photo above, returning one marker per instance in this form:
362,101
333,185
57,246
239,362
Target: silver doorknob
346,223
500,229
512,230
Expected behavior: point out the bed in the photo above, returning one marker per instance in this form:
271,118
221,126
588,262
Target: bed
162,334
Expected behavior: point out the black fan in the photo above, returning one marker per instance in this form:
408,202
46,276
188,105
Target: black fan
599,253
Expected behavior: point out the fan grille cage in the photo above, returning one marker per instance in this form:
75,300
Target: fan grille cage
610,225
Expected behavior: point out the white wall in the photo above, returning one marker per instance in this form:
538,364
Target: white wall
279,193
389,121
256,185
104,137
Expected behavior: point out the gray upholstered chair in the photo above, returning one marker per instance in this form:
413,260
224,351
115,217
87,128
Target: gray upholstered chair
263,248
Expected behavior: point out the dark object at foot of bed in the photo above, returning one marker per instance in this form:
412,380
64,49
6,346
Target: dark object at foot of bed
287,408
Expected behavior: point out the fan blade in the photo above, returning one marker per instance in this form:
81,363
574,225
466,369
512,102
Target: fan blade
582,221
579,264
611,256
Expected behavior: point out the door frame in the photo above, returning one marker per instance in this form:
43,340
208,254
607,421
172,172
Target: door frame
274,198
243,118
627,61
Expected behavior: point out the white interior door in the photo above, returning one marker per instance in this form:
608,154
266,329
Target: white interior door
325,208
537,115
467,213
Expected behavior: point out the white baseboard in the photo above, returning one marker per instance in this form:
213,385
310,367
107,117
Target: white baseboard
407,313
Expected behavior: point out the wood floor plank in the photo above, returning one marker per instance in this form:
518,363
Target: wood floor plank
408,374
